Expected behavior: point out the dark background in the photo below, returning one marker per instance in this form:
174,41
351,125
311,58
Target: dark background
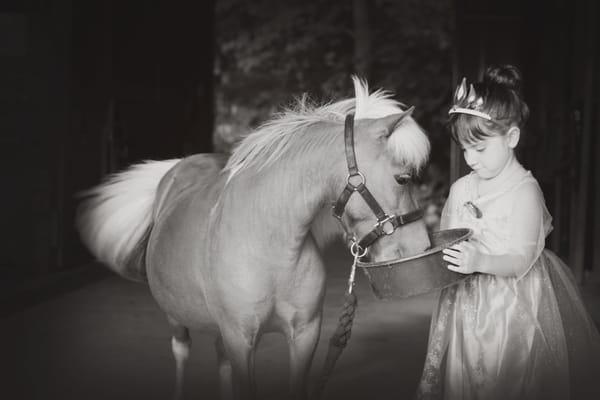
89,87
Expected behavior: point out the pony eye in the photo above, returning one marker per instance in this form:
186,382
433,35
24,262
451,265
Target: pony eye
403,179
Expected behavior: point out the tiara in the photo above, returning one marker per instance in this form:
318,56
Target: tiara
468,103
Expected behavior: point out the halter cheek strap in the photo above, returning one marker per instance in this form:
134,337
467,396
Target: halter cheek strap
386,224
353,172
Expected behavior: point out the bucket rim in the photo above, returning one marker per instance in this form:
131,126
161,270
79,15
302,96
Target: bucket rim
466,235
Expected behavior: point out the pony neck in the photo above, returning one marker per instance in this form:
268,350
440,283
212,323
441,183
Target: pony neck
294,189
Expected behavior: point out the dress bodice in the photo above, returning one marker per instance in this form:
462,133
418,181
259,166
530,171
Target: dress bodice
494,227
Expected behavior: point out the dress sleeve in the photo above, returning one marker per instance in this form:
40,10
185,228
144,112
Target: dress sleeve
530,223
449,216
525,239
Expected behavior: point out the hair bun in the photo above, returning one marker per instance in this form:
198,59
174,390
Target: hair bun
507,76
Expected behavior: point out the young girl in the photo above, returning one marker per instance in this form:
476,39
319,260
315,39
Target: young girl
516,328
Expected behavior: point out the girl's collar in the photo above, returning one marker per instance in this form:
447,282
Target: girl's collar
511,176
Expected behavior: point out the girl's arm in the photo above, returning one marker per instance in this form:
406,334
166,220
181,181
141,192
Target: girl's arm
527,224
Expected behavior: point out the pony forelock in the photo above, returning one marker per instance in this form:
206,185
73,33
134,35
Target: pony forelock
408,144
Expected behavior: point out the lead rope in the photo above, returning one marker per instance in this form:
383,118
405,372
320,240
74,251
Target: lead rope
341,336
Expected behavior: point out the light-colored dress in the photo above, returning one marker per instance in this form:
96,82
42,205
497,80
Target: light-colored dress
526,337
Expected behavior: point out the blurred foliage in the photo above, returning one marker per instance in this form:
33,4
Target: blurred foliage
269,52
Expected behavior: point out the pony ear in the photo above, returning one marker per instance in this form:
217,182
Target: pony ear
385,126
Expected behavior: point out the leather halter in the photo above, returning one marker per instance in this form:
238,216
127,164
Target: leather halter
386,224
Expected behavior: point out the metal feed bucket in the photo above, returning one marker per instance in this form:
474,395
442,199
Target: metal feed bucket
418,274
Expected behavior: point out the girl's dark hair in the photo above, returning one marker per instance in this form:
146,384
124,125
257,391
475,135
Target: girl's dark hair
502,100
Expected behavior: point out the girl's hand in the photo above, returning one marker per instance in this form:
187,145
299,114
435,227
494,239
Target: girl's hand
463,258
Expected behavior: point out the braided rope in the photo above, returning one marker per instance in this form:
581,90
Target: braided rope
341,336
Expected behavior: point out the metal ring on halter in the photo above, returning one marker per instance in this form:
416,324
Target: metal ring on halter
355,249
362,177
384,221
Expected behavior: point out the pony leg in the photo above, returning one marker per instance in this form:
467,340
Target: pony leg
302,344
180,345
240,352
225,372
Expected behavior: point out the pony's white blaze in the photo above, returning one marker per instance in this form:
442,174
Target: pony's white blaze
118,212
408,143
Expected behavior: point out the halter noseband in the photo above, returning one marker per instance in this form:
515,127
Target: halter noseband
386,224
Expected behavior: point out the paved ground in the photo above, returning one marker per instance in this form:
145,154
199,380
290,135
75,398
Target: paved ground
109,340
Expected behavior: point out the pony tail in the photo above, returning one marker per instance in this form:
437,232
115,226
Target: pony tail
115,219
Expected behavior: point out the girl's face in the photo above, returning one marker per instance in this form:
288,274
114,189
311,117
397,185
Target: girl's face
489,156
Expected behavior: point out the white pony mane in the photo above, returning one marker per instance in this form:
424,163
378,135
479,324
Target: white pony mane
270,141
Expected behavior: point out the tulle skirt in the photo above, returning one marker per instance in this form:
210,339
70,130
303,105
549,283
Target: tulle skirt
503,338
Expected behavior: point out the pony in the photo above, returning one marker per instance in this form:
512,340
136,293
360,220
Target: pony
232,245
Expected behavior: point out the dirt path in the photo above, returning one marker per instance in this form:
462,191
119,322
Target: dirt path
109,340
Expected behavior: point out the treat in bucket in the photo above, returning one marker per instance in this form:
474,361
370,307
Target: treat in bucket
418,274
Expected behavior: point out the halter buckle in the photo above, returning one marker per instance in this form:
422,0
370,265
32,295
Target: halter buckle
386,225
